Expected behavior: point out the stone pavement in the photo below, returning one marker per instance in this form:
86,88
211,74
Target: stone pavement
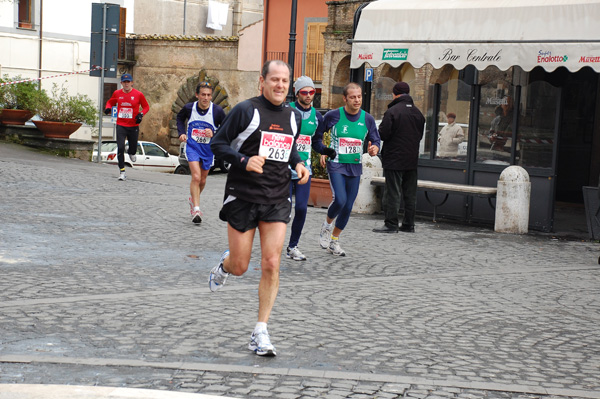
103,283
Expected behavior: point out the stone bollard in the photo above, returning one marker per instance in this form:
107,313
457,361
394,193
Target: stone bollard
366,200
512,201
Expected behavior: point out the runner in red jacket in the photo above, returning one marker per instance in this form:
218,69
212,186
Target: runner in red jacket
128,101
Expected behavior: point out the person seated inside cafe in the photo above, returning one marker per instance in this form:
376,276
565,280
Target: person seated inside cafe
450,137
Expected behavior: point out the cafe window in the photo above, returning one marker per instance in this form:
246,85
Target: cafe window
420,92
453,107
496,117
537,123
25,14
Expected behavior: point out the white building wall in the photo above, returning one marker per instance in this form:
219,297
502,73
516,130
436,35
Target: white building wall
6,11
66,32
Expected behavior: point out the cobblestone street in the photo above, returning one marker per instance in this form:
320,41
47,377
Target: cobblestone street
104,283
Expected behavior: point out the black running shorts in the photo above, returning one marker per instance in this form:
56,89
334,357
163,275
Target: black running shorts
244,216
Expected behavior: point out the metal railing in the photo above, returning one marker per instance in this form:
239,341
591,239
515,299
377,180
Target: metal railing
126,49
309,64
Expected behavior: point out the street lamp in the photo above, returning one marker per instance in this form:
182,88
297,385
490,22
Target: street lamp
291,52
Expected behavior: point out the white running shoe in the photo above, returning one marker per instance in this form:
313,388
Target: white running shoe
196,217
218,276
260,343
133,158
295,254
122,176
334,248
325,236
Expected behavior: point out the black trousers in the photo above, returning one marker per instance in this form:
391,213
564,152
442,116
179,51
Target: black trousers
400,186
131,135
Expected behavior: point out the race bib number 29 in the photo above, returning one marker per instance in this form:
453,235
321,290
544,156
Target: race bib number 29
276,146
303,143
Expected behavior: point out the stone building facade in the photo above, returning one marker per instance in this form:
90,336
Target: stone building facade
168,68
336,61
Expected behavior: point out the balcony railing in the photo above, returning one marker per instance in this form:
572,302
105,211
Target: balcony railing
126,50
309,64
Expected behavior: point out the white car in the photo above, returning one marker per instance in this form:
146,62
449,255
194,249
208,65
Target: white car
150,156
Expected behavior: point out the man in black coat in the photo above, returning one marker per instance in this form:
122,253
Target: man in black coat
401,131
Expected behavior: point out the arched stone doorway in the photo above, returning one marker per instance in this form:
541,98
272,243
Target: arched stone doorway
186,94
340,79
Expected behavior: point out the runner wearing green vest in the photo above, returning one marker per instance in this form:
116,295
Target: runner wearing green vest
304,89
350,128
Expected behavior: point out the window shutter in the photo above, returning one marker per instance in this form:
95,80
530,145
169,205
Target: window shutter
315,48
122,30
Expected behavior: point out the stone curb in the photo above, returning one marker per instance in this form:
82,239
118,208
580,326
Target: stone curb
34,391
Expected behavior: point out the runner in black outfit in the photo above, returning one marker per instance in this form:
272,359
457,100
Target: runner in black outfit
258,139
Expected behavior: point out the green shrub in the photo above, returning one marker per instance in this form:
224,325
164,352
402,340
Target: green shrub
23,95
318,171
62,107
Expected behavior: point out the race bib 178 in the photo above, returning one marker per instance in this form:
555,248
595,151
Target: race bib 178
276,146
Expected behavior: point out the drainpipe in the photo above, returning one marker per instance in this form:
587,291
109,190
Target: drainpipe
184,10
236,18
41,38
265,29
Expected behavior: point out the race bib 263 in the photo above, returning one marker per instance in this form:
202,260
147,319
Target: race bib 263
276,146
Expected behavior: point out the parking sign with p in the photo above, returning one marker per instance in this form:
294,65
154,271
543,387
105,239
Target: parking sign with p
368,74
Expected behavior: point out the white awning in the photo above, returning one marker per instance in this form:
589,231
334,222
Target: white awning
504,33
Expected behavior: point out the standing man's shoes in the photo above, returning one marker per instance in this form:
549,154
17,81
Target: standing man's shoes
407,229
385,229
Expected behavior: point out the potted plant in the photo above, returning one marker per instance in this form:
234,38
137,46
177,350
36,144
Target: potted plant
320,190
18,101
62,114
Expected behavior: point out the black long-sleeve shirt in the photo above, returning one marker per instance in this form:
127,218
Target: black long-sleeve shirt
240,137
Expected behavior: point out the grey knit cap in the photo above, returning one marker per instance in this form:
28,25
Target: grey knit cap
301,82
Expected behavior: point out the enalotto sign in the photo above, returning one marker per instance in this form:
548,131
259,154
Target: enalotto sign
400,54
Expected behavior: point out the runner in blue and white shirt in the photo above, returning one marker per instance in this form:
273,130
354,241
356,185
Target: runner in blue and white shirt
203,117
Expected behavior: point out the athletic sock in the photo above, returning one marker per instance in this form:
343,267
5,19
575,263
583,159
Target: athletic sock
260,326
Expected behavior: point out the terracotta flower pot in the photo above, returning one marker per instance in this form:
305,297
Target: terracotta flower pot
56,130
320,193
14,116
